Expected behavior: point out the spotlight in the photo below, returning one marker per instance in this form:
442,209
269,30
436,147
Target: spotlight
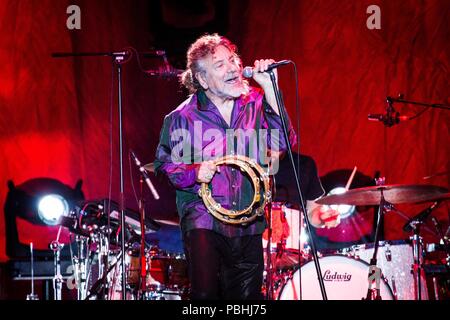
51,208
32,213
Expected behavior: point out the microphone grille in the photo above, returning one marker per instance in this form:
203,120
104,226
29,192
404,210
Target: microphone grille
247,72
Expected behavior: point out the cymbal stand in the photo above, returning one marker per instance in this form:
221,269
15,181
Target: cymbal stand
81,268
99,289
374,271
103,263
417,254
57,279
142,257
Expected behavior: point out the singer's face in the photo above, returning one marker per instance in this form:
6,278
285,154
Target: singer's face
222,75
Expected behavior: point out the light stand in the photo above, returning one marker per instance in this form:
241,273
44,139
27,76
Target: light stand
294,170
32,295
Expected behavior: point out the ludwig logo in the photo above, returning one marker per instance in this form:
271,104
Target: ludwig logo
330,276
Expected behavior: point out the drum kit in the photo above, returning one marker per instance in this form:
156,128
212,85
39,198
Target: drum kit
161,272
349,273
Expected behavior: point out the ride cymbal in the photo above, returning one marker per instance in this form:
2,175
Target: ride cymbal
394,194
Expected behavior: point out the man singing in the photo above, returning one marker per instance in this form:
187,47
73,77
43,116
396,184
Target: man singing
223,116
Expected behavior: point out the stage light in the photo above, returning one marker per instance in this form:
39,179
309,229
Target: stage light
51,208
32,213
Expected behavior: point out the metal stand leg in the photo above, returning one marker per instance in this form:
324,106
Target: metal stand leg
57,279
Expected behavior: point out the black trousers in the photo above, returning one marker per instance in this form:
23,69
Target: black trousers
222,267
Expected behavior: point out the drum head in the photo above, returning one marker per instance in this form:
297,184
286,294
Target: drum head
344,279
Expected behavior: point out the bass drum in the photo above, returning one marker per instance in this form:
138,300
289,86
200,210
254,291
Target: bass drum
344,279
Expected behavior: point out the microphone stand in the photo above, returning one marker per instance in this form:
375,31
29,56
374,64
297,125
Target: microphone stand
294,170
432,105
143,263
269,271
118,61
118,58
143,260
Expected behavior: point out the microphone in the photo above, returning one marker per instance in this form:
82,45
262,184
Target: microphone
247,72
145,174
420,217
388,119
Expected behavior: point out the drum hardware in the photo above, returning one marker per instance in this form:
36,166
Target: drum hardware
418,258
56,247
345,279
100,288
81,267
395,258
385,196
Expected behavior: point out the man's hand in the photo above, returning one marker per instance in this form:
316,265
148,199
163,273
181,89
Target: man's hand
322,216
206,171
261,77
330,218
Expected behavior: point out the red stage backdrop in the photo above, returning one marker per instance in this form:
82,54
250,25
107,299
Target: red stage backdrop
59,119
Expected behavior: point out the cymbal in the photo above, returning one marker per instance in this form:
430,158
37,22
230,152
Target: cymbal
441,197
167,222
394,194
149,167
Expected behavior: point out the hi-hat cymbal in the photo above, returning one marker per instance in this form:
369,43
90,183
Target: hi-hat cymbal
149,167
394,194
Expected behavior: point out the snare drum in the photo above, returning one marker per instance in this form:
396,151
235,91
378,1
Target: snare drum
344,278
